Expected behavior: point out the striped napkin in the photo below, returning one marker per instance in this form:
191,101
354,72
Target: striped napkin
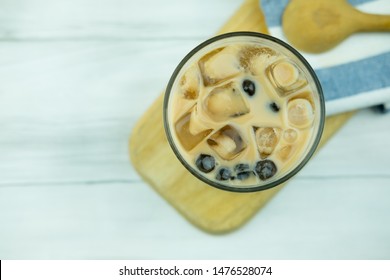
356,73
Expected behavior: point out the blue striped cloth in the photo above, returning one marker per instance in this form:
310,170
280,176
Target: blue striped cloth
356,73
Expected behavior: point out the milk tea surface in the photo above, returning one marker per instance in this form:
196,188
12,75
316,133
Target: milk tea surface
243,112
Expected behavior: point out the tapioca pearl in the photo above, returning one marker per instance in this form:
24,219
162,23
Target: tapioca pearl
249,87
205,163
265,169
223,174
274,107
244,175
241,167
243,171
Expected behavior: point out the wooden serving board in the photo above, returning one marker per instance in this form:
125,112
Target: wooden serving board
211,209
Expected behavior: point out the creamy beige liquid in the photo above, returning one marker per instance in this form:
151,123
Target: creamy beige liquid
246,105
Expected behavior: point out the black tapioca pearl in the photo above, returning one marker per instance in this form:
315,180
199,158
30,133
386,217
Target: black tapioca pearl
223,174
249,87
241,167
265,169
243,171
244,175
205,163
274,107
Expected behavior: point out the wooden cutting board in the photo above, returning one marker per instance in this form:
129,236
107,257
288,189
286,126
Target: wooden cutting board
211,209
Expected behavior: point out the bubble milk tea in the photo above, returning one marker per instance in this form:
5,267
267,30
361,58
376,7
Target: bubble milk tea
243,112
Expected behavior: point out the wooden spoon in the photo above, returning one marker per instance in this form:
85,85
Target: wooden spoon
317,26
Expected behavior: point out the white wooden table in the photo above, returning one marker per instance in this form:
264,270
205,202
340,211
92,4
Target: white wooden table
76,75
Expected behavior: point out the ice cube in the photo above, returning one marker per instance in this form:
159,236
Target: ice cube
190,83
186,138
285,152
225,102
197,123
286,77
227,142
266,139
300,113
249,58
290,135
219,65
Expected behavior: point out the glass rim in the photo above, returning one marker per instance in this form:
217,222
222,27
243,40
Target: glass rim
289,174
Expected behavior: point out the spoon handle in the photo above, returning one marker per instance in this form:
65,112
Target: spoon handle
371,22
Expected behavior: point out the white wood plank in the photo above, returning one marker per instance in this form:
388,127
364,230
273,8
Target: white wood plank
111,19
310,219
67,109
359,149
